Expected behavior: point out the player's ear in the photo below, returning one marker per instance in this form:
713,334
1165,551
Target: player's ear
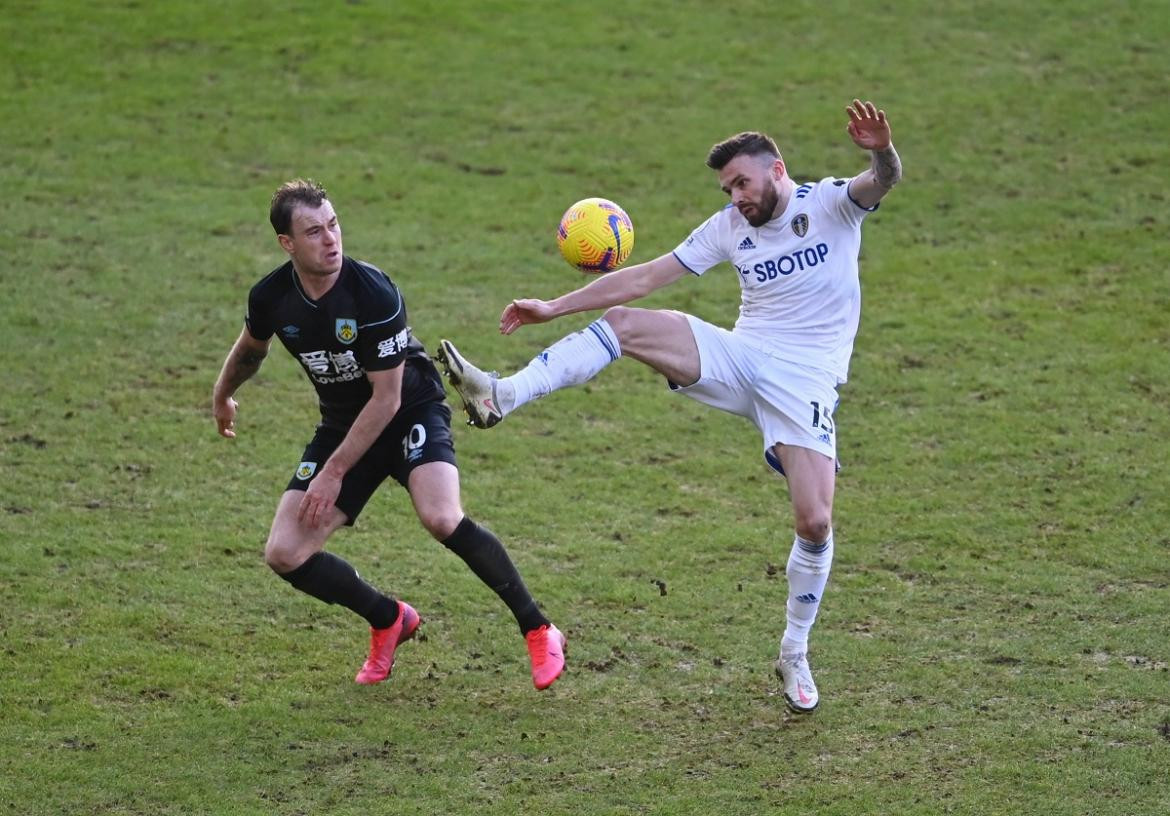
286,243
778,169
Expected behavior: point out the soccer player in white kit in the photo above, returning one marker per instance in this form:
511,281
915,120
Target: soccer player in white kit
794,248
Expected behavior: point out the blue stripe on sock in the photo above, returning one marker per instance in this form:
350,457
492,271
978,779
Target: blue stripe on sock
811,548
605,341
600,335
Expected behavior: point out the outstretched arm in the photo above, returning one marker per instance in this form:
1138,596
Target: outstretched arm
242,362
611,289
870,131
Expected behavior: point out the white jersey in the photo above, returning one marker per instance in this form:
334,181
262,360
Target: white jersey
798,273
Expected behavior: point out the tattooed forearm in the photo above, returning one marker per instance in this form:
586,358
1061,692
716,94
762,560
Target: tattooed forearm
242,365
887,167
238,368
251,358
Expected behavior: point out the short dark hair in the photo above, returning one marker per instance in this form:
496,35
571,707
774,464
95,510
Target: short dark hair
289,196
750,143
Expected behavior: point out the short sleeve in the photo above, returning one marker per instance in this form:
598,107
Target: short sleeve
834,196
706,246
383,335
256,318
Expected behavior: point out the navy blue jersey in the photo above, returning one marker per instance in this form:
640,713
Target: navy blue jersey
359,325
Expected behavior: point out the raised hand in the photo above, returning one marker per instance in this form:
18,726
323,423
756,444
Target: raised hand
868,126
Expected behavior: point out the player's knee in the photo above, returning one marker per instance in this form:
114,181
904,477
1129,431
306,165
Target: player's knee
621,320
280,556
440,522
814,526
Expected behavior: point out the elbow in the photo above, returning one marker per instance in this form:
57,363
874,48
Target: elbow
646,285
639,292
385,406
390,408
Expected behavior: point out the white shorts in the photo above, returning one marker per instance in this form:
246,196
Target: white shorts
791,404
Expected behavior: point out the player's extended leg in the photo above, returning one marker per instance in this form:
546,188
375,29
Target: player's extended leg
434,490
296,553
659,338
811,484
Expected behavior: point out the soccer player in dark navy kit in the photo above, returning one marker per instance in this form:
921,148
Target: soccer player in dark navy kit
382,414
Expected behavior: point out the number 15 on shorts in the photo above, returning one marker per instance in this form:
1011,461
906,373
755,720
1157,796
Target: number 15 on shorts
822,418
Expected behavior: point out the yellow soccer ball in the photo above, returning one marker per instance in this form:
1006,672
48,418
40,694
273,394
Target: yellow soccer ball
595,235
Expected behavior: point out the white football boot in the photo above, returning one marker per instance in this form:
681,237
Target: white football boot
476,388
800,692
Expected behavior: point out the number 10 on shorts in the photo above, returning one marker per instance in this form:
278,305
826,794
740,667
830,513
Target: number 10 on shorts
413,442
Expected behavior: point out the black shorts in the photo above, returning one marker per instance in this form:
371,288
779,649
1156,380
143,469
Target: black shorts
417,435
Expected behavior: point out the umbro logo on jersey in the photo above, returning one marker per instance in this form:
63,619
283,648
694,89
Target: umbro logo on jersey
290,331
746,243
800,225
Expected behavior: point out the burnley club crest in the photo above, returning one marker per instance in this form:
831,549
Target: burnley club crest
346,330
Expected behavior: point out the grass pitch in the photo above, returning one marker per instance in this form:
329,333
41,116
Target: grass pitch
994,635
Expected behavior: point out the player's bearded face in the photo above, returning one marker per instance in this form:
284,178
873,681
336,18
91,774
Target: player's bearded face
315,243
761,210
750,182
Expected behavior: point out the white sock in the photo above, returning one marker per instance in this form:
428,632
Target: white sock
571,360
808,572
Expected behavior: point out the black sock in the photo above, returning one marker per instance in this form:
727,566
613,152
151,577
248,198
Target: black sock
334,581
488,559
